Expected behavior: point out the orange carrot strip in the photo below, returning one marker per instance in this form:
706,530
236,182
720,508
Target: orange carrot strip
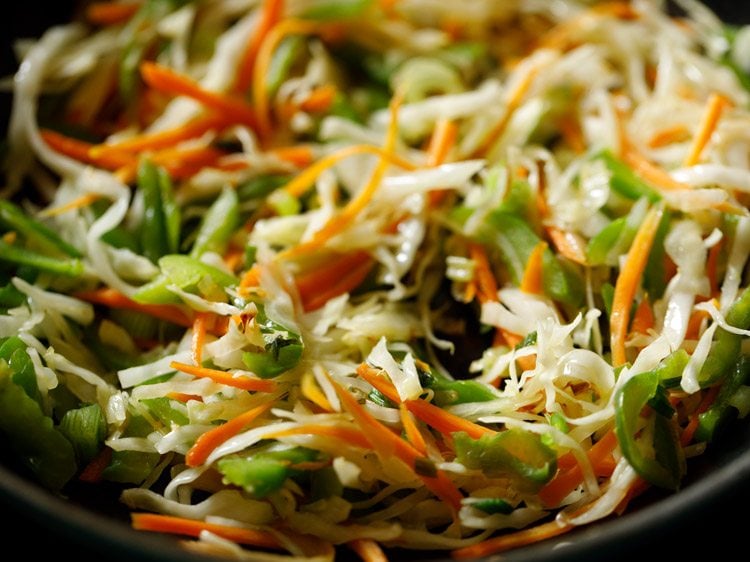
81,151
386,443
368,550
571,131
182,397
568,244
93,471
665,137
270,42
643,319
269,17
111,13
352,436
412,431
513,102
77,203
320,99
628,282
445,422
339,222
533,274
714,108
211,439
566,481
310,390
442,141
164,139
650,172
171,82
687,434
513,540
301,156
483,276
192,528
379,382
199,336
223,377
115,299
344,274
302,182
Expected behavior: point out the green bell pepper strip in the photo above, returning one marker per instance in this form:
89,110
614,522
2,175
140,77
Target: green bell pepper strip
160,230
13,352
13,218
33,436
670,369
712,420
130,467
492,506
10,297
282,349
524,456
726,345
516,240
332,10
260,187
218,225
449,392
284,57
187,273
659,460
21,256
265,472
601,247
86,429
655,275
162,409
623,179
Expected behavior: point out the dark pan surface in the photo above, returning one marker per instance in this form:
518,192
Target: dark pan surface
707,518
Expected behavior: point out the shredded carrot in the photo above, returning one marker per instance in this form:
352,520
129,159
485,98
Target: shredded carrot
484,279
272,12
441,143
199,337
643,319
715,106
249,279
111,13
211,439
568,244
339,222
712,265
411,430
533,274
350,435
81,151
93,471
651,173
572,134
565,481
193,528
687,434
386,443
320,99
445,422
77,203
337,276
167,138
301,156
223,377
670,135
169,81
628,282
510,541
368,550
183,397
302,182
271,40
379,382
513,102
115,299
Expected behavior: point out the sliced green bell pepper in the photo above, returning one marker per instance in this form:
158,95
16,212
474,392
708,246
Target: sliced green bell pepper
721,411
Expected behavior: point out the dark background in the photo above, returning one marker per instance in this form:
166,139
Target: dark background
716,524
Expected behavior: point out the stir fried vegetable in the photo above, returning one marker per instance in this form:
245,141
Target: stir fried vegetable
302,275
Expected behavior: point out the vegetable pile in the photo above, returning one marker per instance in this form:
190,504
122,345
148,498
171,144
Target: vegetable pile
305,275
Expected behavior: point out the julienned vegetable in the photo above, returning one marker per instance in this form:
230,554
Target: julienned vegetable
363,274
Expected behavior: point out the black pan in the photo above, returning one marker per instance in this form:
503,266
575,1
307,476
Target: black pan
707,517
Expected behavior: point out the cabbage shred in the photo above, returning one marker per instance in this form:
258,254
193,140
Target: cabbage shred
402,272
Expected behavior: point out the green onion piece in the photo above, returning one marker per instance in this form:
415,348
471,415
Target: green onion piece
86,429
